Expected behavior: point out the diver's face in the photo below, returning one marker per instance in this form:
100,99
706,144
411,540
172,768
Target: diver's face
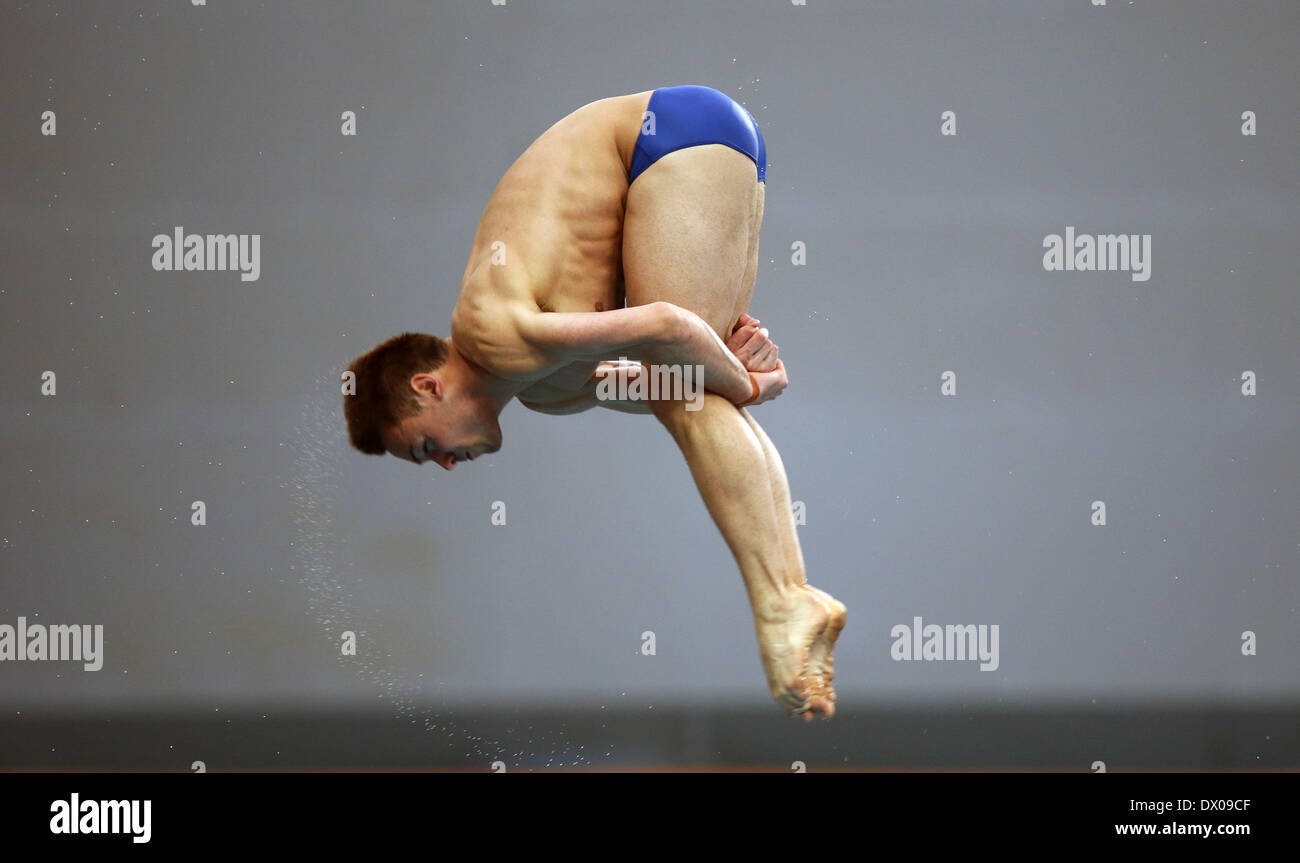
446,431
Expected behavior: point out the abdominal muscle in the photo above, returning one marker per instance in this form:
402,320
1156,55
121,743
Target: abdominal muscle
551,236
563,398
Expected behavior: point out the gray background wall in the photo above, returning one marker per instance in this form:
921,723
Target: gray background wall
924,255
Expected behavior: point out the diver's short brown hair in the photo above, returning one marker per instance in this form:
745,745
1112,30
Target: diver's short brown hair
383,387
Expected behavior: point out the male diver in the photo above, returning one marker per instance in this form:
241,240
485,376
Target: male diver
629,228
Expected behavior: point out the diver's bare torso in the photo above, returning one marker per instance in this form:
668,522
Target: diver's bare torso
551,237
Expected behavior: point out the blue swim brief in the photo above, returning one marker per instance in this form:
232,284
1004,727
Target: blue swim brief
688,116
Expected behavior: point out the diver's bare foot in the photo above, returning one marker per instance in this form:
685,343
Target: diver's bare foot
822,660
788,635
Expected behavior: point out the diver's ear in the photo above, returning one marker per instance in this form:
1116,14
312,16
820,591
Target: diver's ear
426,384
